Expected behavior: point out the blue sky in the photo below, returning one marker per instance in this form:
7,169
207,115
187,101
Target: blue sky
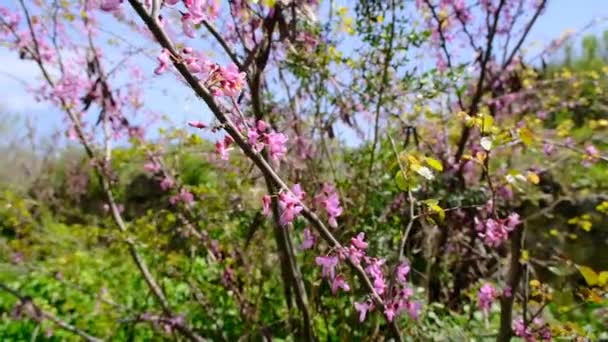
561,15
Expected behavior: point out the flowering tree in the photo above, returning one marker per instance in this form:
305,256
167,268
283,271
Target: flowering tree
450,119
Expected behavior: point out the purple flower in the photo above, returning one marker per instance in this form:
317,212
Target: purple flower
309,239
513,221
197,124
339,283
167,183
592,155
328,263
329,200
266,205
390,311
222,147
413,309
363,309
276,144
486,296
164,60
110,5
354,254
188,25
379,285
358,241
548,149
402,271
152,167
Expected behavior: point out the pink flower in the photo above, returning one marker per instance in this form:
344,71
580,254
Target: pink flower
261,126
379,285
188,25
164,60
222,147
591,156
193,65
11,19
339,283
358,241
363,309
197,124
290,208
266,205
548,149
329,200
328,263
232,81
171,2
276,145
507,292
152,167
183,196
309,239
390,312
355,255
402,271
513,221
110,5
296,189
495,232
253,138
486,296
521,330
201,9
289,202
167,183
413,309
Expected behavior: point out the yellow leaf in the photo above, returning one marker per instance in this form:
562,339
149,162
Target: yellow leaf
487,122
585,225
434,163
533,177
526,136
589,274
602,279
438,210
525,255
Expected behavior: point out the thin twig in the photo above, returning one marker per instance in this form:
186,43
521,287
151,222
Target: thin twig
39,313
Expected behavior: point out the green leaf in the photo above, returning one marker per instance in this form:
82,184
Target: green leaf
401,181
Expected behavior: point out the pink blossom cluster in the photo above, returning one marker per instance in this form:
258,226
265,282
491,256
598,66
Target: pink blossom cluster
197,11
592,155
222,147
309,239
262,136
496,231
397,301
534,331
289,204
10,20
486,295
227,81
167,183
152,167
184,196
329,200
69,89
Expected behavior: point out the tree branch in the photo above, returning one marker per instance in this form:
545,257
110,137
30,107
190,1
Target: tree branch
256,157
